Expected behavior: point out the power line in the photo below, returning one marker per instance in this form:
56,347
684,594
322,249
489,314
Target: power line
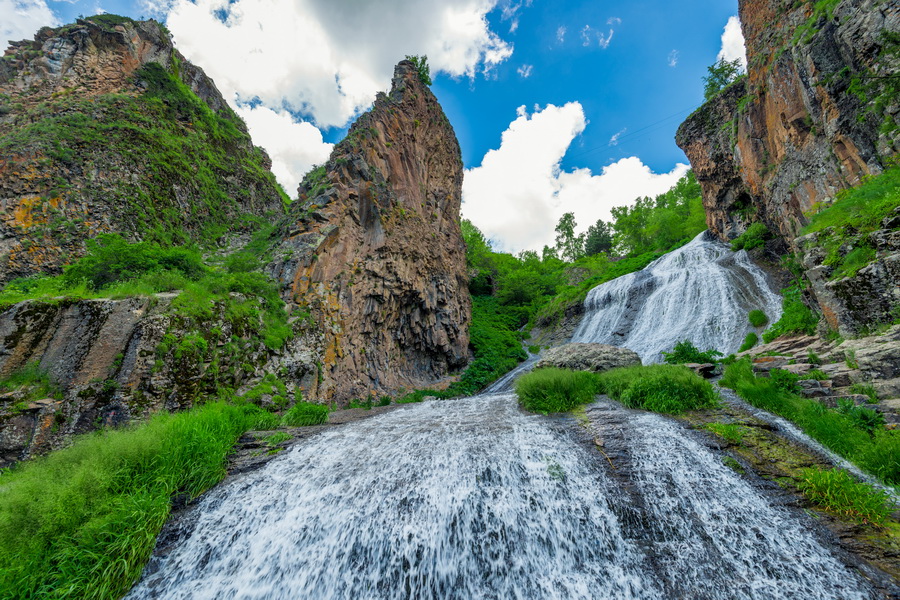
632,133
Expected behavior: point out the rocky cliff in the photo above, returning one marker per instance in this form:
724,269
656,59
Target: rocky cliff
817,112
105,127
373,258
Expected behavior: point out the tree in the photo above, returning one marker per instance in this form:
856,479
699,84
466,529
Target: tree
599,238
721,75
569,245
422,67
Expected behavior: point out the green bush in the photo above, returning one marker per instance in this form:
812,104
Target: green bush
835,490
864,418
659,388
82,521
554,390
795,318
755,236
818,375
749,342
304,414
757,318
685,352
785,380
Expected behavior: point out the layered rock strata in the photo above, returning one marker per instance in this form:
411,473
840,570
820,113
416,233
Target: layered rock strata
373,258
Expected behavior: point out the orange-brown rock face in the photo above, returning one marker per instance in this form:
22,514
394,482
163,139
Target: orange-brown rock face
374,258
809,120
105,127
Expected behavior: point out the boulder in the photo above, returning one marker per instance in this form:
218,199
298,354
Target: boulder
588,357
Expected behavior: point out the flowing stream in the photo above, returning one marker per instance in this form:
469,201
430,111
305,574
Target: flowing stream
701,292
474,499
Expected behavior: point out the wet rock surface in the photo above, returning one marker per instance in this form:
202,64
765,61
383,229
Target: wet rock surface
372,261
588,357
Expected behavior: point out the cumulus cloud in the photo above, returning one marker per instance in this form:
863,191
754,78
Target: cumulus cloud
20,19
525,71
520,191
733,46
673,58
293,146
325,59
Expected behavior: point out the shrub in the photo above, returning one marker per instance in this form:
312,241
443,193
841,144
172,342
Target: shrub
659,388
304,414
757,318
813,358
836,491
422,67
866,389
864,418
750,341
82,521
755,236
817,374
686,352
785,380
554,390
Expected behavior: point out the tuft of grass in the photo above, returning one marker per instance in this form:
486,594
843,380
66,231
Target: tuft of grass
276,438
304,414
817,374
836,491
730,432
757,318
34,380
82,521
749,342
795,318
866,389
553,390
659,388
813,358
685,352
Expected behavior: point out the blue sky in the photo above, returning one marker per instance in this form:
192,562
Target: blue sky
604,85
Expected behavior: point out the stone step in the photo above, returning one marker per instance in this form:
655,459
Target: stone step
832,401
811,388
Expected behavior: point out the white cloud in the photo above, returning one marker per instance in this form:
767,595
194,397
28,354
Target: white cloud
614,140
294,147
324,59
733,46
614,21
519,192
604,41
21,19
525,71
673,58
561,34
588,35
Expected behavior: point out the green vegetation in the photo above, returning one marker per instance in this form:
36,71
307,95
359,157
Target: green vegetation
757,318
722,74
796,317
660,388
685,352
848,432
304,414
555,390
866,389
33,382
755,236
836,491
749,342
422,67
818,375
732,433
855,213
82,522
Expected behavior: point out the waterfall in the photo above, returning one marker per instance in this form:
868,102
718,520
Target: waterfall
473,499
701,292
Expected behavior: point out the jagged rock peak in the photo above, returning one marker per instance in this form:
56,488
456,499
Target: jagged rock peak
106,127
374,254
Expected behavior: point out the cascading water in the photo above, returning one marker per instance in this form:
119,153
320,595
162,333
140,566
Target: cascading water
474,499
701,292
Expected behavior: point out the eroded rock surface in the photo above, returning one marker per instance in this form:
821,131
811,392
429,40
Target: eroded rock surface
588,357
373,258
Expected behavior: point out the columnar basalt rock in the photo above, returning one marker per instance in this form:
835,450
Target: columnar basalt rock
800,127
373,259
105,127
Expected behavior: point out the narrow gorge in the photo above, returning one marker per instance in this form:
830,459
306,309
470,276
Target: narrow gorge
211,388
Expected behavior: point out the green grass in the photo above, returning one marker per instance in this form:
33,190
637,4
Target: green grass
836,491
730,432
749,342
554,390
755,236
33,381
685,352
852,434
277,438
659,388
757,318
82,522
866,389
817,374
796,317
304,414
